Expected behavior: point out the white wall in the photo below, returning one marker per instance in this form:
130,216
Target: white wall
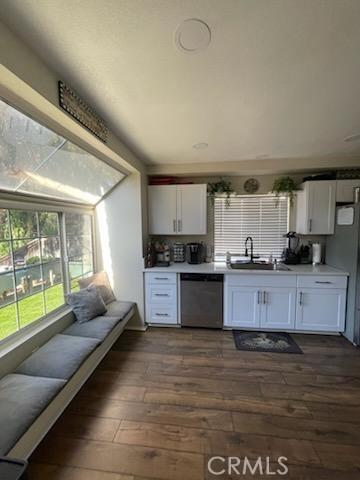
119,234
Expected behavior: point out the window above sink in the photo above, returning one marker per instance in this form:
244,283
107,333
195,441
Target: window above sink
257,216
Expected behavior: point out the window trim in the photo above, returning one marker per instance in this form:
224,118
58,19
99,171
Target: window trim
62,310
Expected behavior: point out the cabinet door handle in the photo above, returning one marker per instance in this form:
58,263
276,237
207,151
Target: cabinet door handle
264,298
161,278
161,295
310,224
323,283
301,298
258,297
174,225
161,314
179,225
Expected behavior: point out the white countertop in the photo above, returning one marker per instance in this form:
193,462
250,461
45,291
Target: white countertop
222,268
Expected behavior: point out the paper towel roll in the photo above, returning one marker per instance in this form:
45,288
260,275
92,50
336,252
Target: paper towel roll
316,253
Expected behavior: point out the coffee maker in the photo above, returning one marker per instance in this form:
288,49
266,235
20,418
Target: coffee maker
194,253
289,256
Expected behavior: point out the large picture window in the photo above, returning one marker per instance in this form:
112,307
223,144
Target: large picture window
79,247
39,162
32,278
257,216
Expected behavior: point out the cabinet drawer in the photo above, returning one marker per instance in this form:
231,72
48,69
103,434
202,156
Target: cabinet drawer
270,280
161,314
321,281
156,294
159,277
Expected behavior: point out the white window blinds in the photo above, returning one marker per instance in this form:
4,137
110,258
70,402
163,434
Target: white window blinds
256,216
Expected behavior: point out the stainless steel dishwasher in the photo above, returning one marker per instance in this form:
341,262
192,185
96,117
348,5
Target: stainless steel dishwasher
201,300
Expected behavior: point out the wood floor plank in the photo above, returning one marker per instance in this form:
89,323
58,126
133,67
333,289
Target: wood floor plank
220,373
231,403
87,427
215,442
101,380
43,471
157,413
112,362
126,459
331,381
342,457
332,411
138,356
304,428
113,390
312,394
240,362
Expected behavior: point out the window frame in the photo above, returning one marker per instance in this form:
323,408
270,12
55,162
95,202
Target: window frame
221,258
46,206
68,138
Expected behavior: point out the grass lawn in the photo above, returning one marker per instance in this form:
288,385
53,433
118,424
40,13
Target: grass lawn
30,309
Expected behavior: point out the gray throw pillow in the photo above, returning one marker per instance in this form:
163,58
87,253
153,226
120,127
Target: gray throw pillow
86,304
101,281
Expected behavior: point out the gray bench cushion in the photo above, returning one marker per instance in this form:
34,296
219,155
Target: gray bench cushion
22,399
60,357
118,309
98,327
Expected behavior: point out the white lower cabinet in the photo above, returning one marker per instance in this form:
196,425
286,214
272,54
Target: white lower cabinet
161,298
321,309
278,308
267,307
303,302
242,307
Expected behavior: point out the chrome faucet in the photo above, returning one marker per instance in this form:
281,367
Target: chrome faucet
251,248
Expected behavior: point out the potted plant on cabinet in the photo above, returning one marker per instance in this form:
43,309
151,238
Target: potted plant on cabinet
285,186
222,187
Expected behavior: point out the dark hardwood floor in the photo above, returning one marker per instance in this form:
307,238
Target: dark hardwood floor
164,401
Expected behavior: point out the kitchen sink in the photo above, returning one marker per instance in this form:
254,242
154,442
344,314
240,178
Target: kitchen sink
258,266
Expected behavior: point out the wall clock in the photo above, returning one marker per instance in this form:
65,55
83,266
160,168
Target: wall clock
251,185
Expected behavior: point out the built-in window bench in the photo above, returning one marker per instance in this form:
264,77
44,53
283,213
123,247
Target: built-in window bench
36,392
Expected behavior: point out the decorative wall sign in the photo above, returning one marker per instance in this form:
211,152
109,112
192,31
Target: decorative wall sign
251,185
77,108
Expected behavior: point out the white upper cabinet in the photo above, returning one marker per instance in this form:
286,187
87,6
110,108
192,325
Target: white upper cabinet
162,209
177,209
191,208
316,208
345,190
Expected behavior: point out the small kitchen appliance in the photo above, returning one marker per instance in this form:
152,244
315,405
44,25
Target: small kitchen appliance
179,252
162,254
194,253
316,253
289,256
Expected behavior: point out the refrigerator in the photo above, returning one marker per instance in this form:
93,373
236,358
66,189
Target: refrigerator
342,251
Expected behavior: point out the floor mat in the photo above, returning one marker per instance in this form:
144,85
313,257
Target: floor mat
273,342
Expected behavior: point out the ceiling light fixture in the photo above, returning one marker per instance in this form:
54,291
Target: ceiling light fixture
352,138
192,36
200,146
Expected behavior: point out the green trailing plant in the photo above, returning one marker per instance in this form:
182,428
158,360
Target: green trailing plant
284,186
222,187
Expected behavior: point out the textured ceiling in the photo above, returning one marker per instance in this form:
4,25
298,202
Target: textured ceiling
280,78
